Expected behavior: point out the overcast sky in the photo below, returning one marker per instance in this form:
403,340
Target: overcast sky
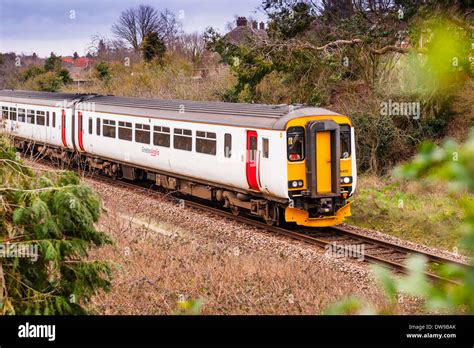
43,26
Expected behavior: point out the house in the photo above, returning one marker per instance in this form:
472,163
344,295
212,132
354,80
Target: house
245,31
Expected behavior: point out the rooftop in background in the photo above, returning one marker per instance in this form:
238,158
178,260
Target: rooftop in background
80,62
245,31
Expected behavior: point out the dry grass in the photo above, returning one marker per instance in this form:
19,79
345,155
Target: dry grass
157,271
165,256
173,80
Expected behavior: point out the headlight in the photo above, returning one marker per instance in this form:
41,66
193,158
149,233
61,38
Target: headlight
295,183
346,180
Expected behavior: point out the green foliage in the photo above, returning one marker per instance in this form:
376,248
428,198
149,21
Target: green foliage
54,214
52,63
452,163
103,71
190,307
32,72
48,82
303,50
64,76
153,47
50,78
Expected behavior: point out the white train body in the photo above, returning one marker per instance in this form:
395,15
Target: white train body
240,148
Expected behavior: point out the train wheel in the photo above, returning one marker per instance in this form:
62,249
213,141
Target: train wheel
273,215
235,210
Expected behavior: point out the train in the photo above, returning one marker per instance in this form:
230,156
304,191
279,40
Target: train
292,164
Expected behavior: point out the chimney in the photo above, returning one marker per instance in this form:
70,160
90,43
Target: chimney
241,21
262,26
254,25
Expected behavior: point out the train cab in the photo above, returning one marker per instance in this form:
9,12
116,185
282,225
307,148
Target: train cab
321,169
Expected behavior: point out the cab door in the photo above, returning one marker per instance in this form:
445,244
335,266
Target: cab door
252,160
324,166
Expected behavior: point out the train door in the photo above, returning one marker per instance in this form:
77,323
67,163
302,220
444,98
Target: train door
47,128
252,160
323,162
80,130
63,125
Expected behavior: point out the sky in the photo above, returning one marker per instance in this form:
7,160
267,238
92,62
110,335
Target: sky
65,26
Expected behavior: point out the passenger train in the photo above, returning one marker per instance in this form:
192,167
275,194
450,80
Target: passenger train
283,163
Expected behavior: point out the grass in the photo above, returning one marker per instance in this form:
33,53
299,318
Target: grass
167,262
418,212
172,80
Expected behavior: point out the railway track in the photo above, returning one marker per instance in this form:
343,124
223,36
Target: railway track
346,241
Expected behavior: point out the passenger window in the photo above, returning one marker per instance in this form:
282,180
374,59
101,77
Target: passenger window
206,143
5,112
13,114
142,133
183,139
97,126
109,129
54,119
30,116
227,145
265,148
345,136
161,136
90,125
125,131
253,149
40,118
295,143
21,115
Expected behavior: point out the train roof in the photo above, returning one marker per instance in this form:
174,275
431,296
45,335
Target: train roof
233,114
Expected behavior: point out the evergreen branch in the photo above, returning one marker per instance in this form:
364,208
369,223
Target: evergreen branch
58,188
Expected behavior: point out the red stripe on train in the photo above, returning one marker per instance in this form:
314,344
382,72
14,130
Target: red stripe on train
79,127
63,127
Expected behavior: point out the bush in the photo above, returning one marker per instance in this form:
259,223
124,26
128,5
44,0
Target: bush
53,216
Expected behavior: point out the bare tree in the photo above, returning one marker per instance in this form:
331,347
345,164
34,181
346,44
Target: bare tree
192,46
136,22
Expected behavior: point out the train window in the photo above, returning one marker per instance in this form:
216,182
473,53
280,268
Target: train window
97,128
54,119
345,136
30,116
47,118
227,145
125,131
142,133
21,115
295,143
266,149
183,139
206,142
161,136
5,112
40,118
13,114
90,125
109,129
253,149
